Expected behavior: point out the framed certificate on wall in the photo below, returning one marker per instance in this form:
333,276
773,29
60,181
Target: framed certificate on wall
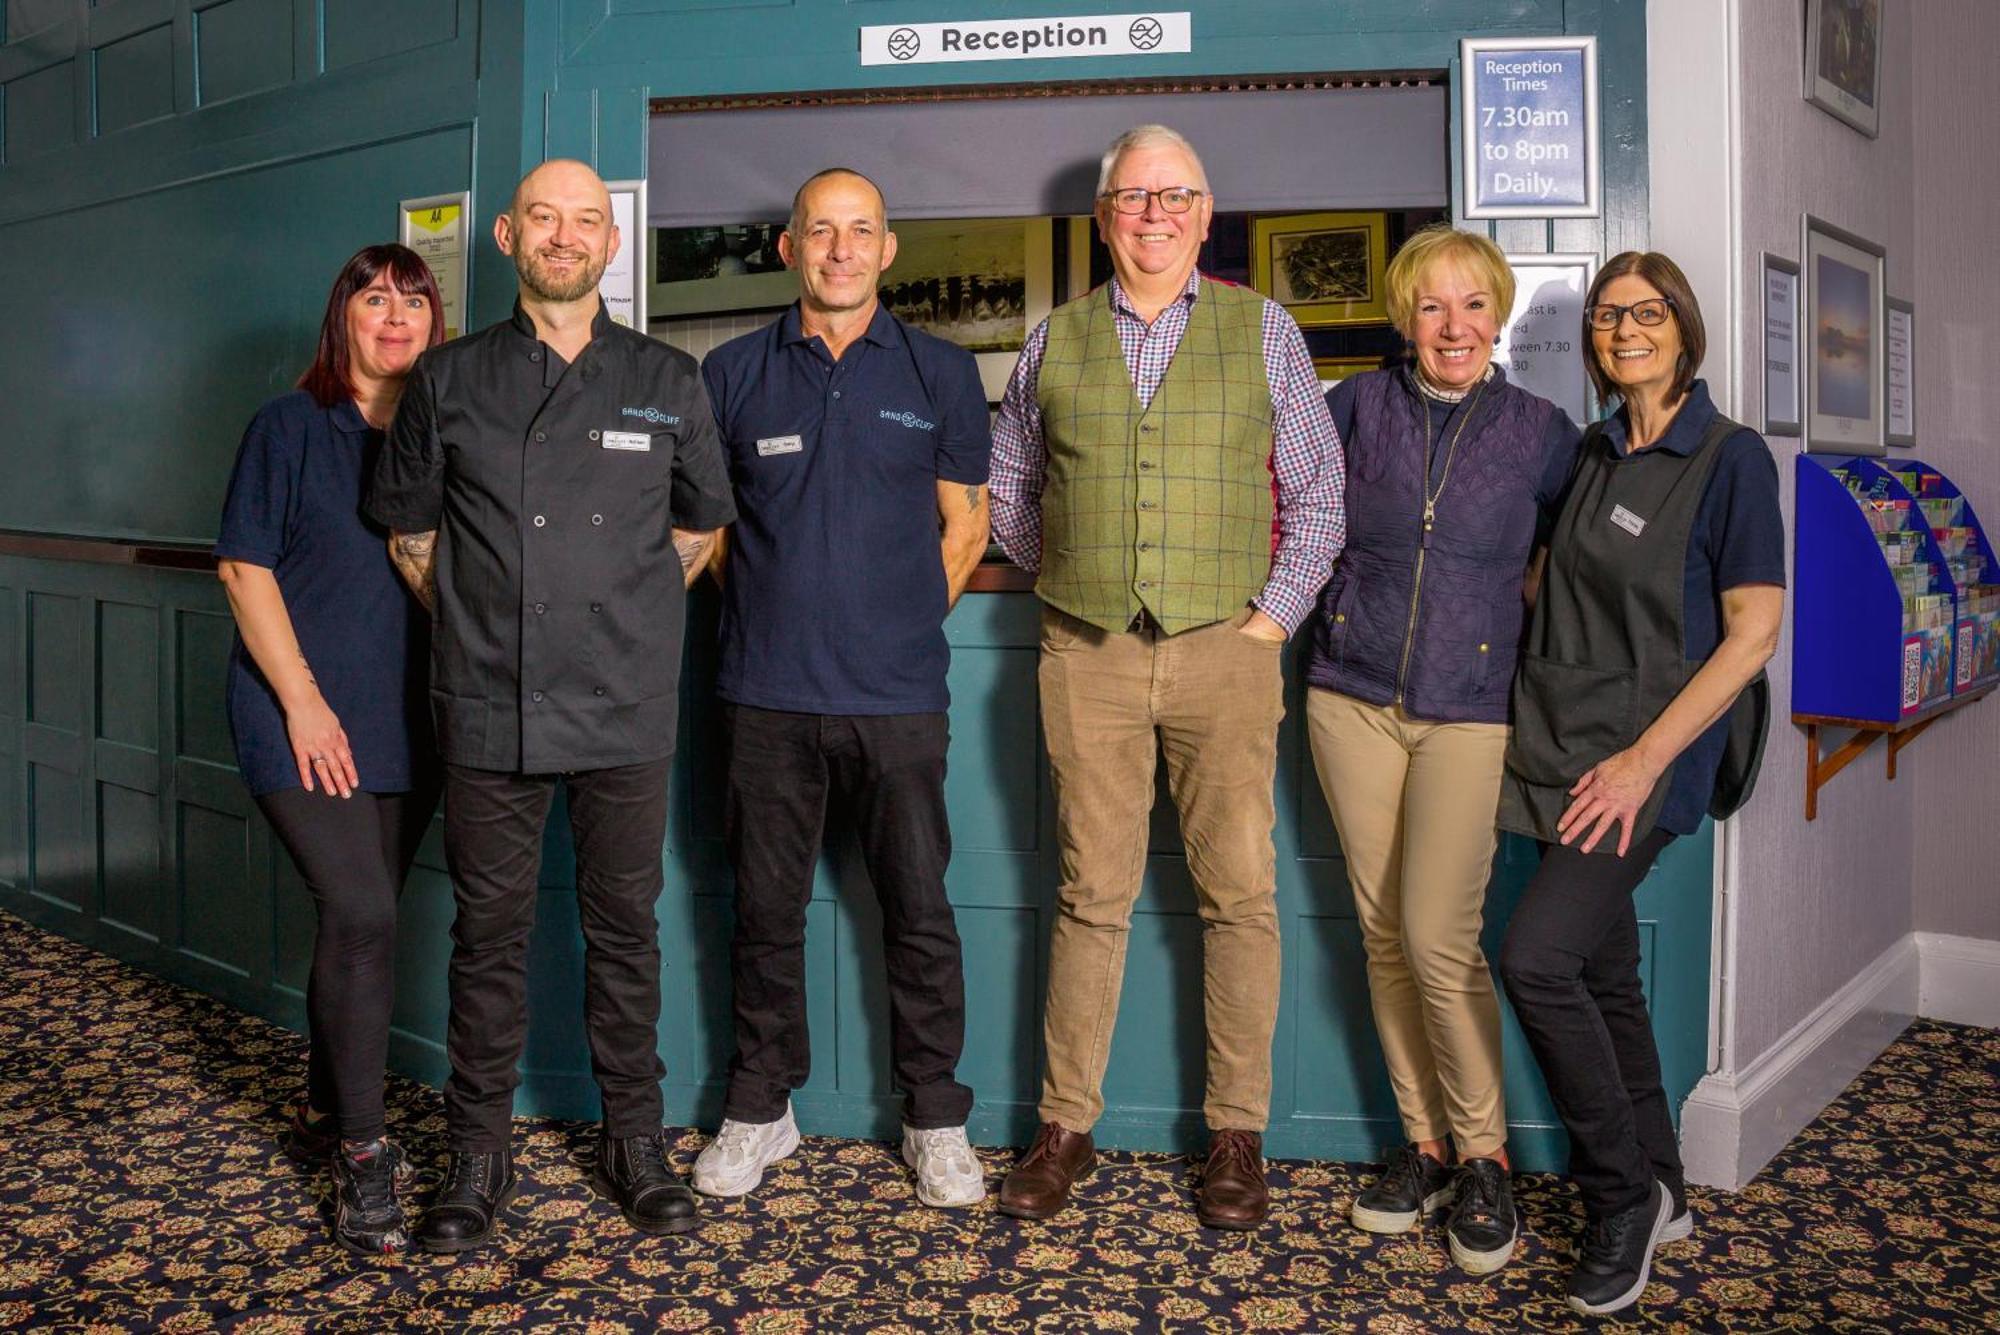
1781,346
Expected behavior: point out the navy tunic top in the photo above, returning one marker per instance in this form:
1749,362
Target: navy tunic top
294,507
834,595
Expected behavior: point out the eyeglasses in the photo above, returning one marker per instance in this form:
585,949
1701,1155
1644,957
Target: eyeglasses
1174,199
1606,316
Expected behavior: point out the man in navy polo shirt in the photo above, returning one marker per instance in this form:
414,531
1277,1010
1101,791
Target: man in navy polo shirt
857,447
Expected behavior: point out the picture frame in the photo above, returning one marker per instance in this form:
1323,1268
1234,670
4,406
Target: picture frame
1327,269
1333,370
624,285
1843,61
694,271
438,228
1844,360
1530,129
1899,367
1781,346
1541,345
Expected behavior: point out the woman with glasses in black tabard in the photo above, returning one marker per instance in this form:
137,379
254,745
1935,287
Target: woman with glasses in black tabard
1659,606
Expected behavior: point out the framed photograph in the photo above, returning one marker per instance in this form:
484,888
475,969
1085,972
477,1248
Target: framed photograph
1333,370
711,270
1325,268
1528,139
1843,74
1844,362
980,283
1781,346
624,284
1899,335
436,228
1540,345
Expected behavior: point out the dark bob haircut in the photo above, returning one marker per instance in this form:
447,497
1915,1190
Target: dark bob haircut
330,379
1667,278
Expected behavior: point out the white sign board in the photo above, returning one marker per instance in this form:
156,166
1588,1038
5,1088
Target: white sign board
1027,39
1781,347
1528,134
1541,345
435,227
623,286
1901,338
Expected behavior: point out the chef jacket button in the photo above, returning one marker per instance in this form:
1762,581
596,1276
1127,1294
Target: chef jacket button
540,521
598,691
537,697
541,608
593,434
541,436
597,607
534,356
597,519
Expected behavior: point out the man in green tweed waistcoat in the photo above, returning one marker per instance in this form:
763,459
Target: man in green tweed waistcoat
1165,464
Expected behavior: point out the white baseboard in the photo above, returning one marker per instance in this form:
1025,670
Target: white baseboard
1961,979
1732,1124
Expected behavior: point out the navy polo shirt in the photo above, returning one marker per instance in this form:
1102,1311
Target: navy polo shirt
1738,538
294,507
834,590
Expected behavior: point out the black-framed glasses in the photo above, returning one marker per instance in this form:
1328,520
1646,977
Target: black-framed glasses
1174,199
1606,316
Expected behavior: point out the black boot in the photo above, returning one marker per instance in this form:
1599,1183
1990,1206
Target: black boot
367,1217
634,1172
477,1187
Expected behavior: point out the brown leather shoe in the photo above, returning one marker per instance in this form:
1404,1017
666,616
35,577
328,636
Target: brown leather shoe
1037,1187
1232,1193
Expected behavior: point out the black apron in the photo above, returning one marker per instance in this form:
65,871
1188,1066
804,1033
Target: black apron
1605,651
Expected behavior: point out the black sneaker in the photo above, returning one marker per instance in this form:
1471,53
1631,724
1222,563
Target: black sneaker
1411,1186
367,1217
1483,1227
1615,1255
311,1140
633,1171
477,1187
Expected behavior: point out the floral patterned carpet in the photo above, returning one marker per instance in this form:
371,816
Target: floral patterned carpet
141,1188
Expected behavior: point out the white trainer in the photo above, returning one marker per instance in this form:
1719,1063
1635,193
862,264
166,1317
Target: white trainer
948,1172
734,1162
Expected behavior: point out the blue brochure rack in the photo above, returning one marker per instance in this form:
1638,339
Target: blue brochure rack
1856,664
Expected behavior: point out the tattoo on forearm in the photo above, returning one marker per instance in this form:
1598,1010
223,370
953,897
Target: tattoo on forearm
973,496
308,670
693,547
415,558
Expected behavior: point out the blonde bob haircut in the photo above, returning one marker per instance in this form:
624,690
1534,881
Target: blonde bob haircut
1438,244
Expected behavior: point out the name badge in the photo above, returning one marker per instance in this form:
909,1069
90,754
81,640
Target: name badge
1628,521
627,440
771,445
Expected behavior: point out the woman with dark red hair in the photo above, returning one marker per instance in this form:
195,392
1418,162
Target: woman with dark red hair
327,703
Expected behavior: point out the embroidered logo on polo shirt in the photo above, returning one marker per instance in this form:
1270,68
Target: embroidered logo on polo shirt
651,415
1628,521
907,419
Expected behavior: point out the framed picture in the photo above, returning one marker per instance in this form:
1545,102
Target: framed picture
1781,346
1325,268
1333,370
1540,345
1843,74
1844,374
1899,361
623,287
436,228
710,270
980,283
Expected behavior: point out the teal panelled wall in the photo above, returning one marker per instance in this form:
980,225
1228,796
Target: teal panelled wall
125,825
179,180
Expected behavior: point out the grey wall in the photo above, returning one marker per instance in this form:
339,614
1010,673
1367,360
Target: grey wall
1956,122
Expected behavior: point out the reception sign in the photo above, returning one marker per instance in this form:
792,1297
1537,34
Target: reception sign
1528,127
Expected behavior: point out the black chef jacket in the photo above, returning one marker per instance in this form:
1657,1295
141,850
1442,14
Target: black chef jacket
553,489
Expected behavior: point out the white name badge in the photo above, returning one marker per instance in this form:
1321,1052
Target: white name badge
771,445
1628,521
627,440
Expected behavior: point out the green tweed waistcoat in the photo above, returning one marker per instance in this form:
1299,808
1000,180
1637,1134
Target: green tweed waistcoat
1166,507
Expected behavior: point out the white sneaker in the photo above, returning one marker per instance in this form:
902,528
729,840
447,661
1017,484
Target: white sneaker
948,1172
734,1162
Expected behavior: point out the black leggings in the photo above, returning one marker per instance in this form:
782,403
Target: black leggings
353,853
1570,964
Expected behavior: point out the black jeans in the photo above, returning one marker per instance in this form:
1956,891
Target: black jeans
889,771
1571,967
353,854
493,823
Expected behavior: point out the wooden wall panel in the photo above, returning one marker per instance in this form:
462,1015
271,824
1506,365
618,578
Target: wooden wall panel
40,112
359,31
242,47
132,79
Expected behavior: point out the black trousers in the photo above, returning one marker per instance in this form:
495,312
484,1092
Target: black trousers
493,823
888,771
353,854
1570,964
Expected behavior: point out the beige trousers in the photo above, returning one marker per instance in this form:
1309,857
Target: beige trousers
1415,804
1211,700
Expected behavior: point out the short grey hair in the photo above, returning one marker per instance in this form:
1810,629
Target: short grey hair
1147,136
